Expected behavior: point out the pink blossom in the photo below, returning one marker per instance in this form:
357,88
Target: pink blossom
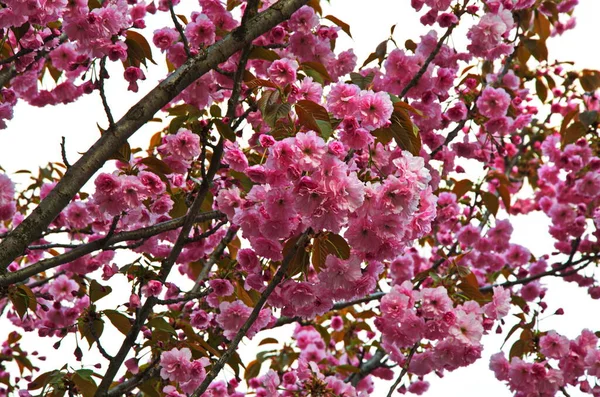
339,276
343,100
62,288
553,345
493,102
165,37
468,328
500,304
283,71
175,364
232,316
152,288
200,32
184,144
375,109
221,287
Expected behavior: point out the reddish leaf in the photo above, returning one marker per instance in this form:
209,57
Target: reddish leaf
345,27
491,202
461,187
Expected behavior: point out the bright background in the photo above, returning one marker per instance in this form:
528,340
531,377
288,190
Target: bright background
33,139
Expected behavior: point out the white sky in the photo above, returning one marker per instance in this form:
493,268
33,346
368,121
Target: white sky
33,139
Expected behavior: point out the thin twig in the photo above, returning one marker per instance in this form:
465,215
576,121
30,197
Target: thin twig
87,248
103,74
214,257
188,297
179,28
415,80
404,369
281,272
149,372
63,152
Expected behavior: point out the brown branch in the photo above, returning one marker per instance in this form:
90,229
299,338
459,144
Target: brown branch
281,272
415,80
404,369
101,78
555,272
95,157
149,372
366,368
63,152
84,249
186,298
26,51
338,306
179,28
214,257
166,266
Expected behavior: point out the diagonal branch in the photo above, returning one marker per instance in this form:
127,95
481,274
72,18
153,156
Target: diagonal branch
95,157
84,249
218,366
165,269
415,80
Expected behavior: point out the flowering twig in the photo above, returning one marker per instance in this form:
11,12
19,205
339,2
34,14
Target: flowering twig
186,46
216,368
101,78
415,80
84,249
30,229
404,369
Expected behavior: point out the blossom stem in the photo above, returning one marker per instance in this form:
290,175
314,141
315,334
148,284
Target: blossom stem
281,272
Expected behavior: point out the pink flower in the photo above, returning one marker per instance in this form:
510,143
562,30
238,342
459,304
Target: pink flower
132,74
419,387
221,287
339,277
283,71
312,148
200,32
152,288
152,182
500,366
175,364
196,376
493,102
235,158
554,345
343,100
303,20
467,328
107,183
500,304
435,302
375,109
62,288
132,365
183,145
165,37
63,56
232,316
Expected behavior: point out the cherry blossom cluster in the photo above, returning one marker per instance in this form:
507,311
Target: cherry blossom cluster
558,363
410,317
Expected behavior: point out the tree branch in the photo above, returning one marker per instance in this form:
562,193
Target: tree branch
84,249
186,46
415,80
166,266
216,368
80,172
404,369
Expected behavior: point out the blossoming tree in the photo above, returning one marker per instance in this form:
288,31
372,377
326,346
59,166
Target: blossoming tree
290,185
